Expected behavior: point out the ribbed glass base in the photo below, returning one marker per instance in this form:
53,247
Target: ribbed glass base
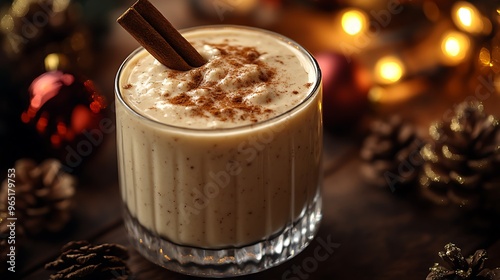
230,261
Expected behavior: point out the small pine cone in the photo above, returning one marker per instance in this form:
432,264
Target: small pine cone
81,260
391,154
459,268
44,195
463,158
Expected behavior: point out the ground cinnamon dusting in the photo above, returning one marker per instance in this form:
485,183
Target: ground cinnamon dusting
182,99
226,105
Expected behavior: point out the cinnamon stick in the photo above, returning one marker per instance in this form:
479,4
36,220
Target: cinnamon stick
155,33
169,33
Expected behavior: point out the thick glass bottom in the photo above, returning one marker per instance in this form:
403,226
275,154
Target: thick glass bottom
230,261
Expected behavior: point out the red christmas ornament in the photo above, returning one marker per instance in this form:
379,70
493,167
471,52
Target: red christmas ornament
63,107
345,90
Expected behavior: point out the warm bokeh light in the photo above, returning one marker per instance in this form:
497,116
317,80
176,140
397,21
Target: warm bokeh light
389,70
6,23
55,62
354,22
375,94
465,15
468,18
452,46
20,8
485,57
455,47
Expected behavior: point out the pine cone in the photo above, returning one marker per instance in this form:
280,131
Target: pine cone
44,195
460,268
463,158
81,260
391,154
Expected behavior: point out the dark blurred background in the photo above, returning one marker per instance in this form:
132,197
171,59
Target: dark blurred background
58,59
417,59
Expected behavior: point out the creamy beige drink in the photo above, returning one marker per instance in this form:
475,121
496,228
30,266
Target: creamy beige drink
249,78
225,155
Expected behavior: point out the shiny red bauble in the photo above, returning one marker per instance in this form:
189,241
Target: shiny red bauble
67,113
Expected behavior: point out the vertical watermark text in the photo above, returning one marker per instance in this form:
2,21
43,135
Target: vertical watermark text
11,220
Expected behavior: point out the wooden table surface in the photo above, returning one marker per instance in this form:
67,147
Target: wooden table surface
381,235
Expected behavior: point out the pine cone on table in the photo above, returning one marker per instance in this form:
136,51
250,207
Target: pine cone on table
81,260
44,196
391,154
460,268
463,158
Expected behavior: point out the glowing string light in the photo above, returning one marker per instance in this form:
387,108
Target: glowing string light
389,70
455,47
354,22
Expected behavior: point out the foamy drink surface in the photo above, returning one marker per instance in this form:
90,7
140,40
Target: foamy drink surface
249,77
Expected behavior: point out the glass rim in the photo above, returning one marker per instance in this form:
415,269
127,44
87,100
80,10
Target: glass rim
311,93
